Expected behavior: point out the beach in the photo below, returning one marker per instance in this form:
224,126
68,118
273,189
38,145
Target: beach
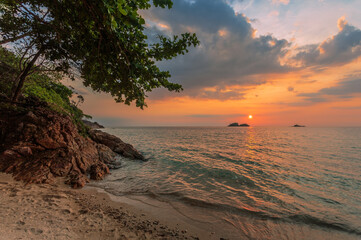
55,211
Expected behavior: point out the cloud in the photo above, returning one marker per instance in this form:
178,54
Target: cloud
274,14
348,108
341,23
230,59
344,89
341,48
229,53
277,2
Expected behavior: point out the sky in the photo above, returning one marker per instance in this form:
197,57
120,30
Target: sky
283,61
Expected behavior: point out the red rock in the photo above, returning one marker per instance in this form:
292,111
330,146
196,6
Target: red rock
77,181
10,153
48,146
42,144
25,151
115,144
98,171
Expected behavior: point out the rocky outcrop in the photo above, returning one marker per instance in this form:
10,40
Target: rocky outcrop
236,125
92,125
38,145
116,144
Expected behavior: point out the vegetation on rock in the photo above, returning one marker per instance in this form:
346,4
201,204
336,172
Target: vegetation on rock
42,86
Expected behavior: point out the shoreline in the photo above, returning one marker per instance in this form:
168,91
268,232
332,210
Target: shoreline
55,211
206,228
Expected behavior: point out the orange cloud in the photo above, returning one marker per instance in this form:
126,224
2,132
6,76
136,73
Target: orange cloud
285,2
341,23
164,26
223,32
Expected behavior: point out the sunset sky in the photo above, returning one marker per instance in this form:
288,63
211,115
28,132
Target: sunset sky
282,61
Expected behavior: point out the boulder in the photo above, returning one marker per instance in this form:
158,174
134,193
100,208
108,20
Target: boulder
106,155
115,144
77,181
41,144
98,171
38,144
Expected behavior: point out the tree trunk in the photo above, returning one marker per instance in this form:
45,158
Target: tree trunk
19,83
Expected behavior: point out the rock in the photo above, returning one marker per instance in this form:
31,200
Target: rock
20,127
236,125
77,181
92,125
25,151
115,144
29,129
106,154
98,171
10,154
30,116
41,144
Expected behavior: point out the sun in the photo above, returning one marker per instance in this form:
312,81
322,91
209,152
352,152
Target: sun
250,116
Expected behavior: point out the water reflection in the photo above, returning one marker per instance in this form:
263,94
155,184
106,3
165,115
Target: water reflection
261,181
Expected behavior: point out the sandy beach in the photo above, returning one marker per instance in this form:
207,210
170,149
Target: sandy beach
55,211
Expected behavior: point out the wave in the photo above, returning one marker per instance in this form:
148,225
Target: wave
251,212
300,178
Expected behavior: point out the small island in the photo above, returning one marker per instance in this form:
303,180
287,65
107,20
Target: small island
236,125
296,125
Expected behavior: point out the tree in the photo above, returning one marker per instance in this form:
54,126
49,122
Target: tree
102,39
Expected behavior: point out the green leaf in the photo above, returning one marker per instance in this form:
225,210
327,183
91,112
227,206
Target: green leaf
105,40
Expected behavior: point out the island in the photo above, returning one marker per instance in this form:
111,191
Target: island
236,125
296,125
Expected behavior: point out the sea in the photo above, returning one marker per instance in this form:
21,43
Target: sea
248,183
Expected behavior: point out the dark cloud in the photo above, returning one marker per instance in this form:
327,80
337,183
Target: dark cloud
339,49
344,89
229,54
219,93
348,108
307,81
207,15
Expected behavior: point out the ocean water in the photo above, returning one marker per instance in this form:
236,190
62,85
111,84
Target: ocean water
251,183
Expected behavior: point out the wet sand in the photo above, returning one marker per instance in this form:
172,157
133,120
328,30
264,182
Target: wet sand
55,211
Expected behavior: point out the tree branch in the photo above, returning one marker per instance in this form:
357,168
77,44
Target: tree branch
14,38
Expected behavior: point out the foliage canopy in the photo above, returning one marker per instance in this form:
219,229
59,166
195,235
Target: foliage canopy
103,39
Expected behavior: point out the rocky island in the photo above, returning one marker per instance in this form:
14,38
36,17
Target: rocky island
238,125
296,125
